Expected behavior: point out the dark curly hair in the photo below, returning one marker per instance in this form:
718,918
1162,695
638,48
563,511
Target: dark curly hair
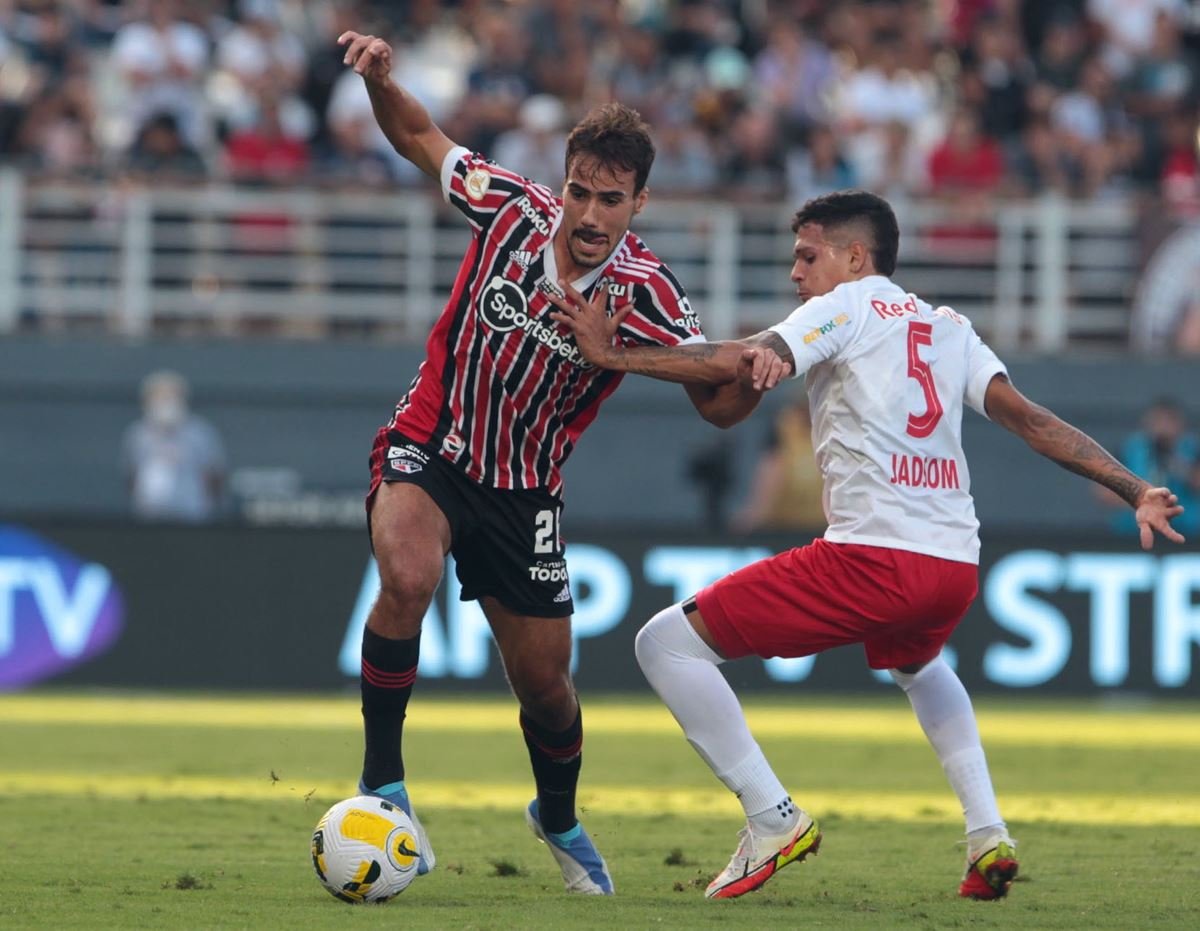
618,138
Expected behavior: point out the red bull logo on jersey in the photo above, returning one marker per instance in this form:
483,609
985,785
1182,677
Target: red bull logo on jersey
504,307
919,472
886,310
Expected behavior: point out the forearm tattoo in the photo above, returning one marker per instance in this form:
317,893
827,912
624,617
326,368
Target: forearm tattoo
656,361
1073,449
777,344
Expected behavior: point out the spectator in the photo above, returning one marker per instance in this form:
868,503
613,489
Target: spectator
1094,130
786,492
819,167
537,148
639,75
160,153
684,163
163,61
1179,182
876,95
794,74
258,58
1163,449
966,163
174,460
496,85
998,68
1161,82
1063,50
753,168
1127,28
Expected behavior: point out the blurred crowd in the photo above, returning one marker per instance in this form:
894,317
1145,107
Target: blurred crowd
747,98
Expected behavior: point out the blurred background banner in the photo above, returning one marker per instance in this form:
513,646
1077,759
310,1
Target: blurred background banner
217,276
225,607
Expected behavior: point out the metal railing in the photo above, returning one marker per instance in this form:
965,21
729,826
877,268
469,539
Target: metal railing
136,260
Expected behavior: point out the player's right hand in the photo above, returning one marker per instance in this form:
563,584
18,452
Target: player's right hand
761,368
1155,508
369,56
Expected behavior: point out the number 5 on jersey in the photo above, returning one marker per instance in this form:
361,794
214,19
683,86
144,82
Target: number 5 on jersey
921,334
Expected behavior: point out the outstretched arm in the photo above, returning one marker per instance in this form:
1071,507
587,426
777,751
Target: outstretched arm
1073,449
724,380
403,119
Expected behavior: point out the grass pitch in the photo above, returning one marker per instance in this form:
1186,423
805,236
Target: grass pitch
187,812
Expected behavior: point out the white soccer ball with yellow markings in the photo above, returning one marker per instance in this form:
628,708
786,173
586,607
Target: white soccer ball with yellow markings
365,850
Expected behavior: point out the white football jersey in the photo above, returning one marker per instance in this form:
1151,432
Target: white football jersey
887,375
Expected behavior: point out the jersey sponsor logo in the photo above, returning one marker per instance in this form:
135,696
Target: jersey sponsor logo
521,257
452,444
921,472
530,213
689,317
504,307
548,571
397,452
477,182
813,335
886,310
613,288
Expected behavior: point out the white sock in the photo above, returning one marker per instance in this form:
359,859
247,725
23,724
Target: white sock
944,710
683,671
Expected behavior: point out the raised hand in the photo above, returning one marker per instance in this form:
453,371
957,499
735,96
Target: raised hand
1155,508
588,321
369,56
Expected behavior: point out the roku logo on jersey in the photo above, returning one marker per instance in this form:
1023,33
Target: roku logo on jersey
538,221
55,610
503,307
917,472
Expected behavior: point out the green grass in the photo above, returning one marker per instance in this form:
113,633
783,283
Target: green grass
162,813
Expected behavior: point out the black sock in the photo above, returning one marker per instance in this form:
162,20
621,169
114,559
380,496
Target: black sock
556,759
389,668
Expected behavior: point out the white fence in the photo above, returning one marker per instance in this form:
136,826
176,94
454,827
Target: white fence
135,260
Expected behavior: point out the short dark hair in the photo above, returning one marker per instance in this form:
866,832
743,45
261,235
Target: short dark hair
844,207
618,138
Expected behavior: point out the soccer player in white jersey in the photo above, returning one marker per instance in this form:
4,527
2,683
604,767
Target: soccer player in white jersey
887,375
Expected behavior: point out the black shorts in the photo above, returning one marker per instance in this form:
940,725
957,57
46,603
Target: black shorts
505,542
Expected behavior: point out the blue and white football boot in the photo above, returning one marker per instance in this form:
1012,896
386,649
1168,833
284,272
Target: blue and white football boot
584,870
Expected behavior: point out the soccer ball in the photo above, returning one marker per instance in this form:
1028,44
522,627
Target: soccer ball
365,850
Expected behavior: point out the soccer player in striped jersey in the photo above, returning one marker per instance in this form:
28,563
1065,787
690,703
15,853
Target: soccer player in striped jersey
470,462
888,376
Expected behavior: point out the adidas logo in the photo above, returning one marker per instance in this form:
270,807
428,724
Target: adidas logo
522,257
564,595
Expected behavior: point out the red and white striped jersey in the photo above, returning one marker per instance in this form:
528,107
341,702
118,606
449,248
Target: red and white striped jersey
503,392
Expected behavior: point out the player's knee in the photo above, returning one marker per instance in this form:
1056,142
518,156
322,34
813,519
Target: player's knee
646,645
547,695
407,583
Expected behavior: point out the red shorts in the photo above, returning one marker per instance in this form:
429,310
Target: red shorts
901,606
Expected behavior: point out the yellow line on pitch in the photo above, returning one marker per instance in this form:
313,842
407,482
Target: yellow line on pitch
1073,808
1142,728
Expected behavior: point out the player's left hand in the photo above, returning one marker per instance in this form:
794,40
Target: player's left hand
1155,508
588,321
761,368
